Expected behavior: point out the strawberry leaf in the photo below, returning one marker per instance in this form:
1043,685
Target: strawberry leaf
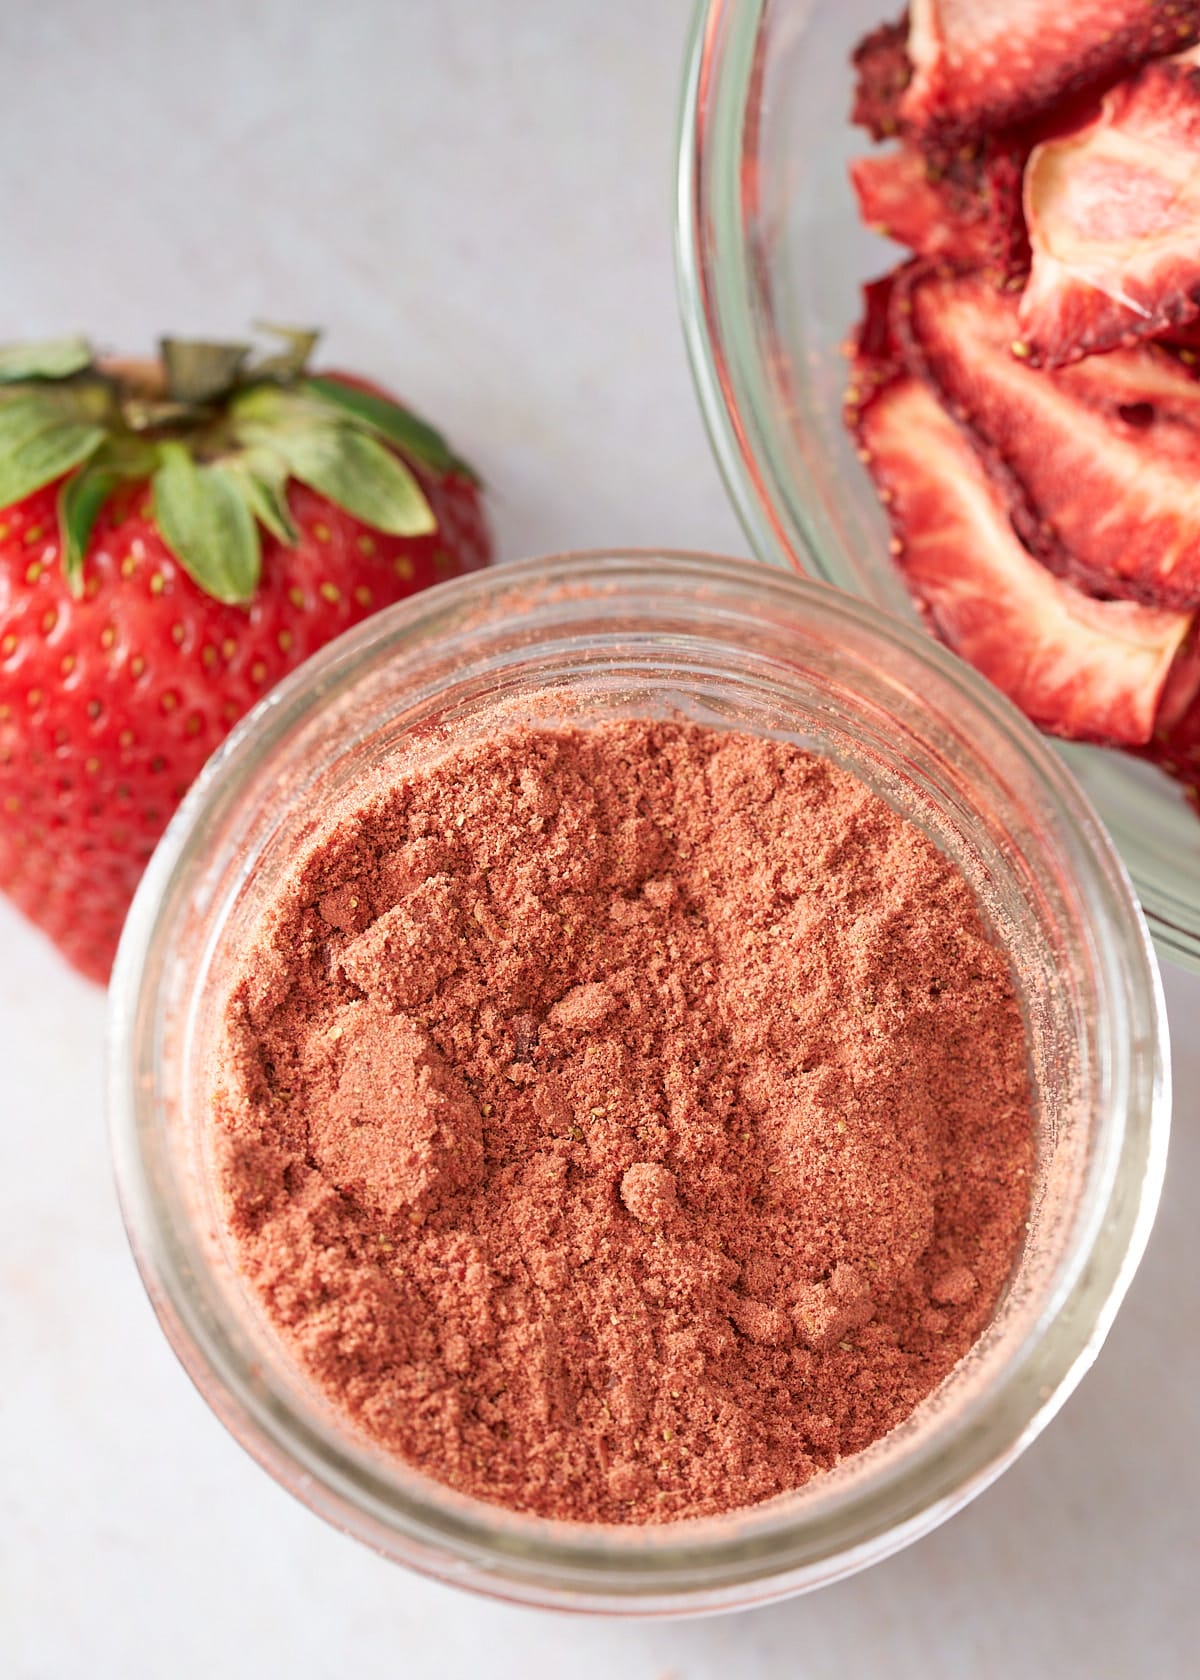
38,443
262,408
397,425
337,460
205,522
464,469
261,475
88,398
85,493
359,475
53,358
79,503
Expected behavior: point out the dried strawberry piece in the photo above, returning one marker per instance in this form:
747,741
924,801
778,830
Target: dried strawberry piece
876,353
1178,715
968,211
1106,452
1175,745
1184,340
900,197
965,206
978,65
1008,237
1084,669
881,75
1141,386
1177,752
1113,212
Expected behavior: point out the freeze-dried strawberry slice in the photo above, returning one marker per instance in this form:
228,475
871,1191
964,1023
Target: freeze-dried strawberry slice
875,352
1113,212
1107,452
1143,385
1175,744
968,212
1084,669
977,65
1178,709
1185,340
900,198
881,75
1008,238
1177,751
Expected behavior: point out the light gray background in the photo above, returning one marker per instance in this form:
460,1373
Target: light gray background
476,199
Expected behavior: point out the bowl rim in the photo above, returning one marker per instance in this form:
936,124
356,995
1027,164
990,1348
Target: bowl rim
550,1563
714,297
713,374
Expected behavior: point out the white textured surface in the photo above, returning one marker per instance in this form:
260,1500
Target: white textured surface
476,198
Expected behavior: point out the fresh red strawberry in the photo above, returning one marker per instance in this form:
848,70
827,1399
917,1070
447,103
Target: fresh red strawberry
169,549
1080,668
1113,212
1107,452
963,68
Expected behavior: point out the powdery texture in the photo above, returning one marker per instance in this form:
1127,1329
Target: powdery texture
625,1123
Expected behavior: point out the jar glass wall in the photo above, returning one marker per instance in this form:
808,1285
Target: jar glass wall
598,636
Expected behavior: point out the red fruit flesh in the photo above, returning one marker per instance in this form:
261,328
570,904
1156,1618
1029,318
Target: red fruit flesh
1175,744
875,351
899,198
881,71
1080,668
1179,697
1113,211
968,214
1185,339
1144,383
1176,751
111,702
1008,239
978,65
1106,453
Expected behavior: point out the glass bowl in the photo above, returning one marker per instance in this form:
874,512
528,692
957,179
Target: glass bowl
732,643
771,255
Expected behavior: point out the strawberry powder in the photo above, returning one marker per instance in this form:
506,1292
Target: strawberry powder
625,1123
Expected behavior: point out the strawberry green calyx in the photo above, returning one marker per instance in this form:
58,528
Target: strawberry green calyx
217,432
53,358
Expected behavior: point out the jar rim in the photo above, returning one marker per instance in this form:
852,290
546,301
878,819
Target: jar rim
700,1563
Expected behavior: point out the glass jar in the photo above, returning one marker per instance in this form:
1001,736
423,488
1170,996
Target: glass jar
771,256
734,644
